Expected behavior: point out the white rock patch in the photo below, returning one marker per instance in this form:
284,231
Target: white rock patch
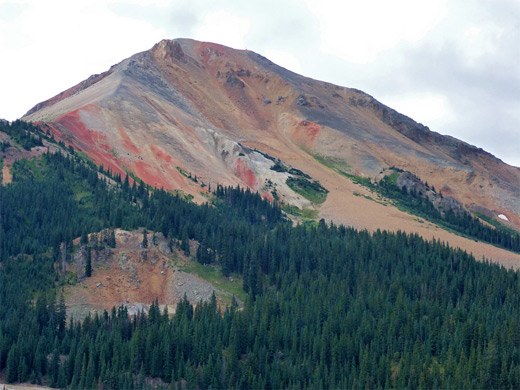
503,217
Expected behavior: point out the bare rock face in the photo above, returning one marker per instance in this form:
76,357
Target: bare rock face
101,256
413,183
442,203
448,203
186,108
125,278
80,258
170,50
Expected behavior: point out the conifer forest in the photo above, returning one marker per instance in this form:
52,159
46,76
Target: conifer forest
328,306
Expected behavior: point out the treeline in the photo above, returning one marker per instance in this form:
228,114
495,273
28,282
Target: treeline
462,221
23,133
328,307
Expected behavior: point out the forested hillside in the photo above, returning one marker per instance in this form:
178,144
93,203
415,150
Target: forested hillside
327,307
460,220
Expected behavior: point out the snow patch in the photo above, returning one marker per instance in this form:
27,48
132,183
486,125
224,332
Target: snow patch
503,217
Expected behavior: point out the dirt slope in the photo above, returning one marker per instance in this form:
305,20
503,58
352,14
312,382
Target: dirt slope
134,276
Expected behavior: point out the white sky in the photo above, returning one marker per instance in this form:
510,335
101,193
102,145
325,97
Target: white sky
451,65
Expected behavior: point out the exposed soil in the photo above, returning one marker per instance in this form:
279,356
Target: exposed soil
353,205
342,206
14,153
7,177
22,386
135,277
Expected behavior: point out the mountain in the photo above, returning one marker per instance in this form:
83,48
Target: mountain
91,301
186,115
106,282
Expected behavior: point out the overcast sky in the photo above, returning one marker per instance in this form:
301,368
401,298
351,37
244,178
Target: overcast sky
451,65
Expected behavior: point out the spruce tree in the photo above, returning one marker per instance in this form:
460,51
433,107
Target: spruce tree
112,239
11,374
88,264
145,239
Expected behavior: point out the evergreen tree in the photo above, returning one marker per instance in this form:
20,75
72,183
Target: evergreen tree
11,374
145,239
327,306
88,263
112,239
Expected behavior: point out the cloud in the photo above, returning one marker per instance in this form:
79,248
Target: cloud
185,19
473,62
462,77
223,26
9,11
358,31
55,44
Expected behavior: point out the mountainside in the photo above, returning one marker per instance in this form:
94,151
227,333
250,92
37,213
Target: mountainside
187,114
106,282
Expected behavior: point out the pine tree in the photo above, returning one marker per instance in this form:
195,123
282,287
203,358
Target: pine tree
112,239
61,314
88,263
145,239
23,370
84,238
185,243
54,368
11,374
62,377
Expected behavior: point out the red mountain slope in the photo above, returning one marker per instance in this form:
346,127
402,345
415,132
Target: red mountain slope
194,108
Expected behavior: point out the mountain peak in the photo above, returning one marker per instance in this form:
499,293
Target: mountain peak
169,49
187,109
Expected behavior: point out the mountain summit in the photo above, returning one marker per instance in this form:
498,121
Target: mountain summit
186,114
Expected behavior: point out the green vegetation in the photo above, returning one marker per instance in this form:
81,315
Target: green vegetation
329,162
392,178
24,169
496,223
365,181
24,134
326,306
129,175
335,164
213,275
418,204
461,222
343,169
184,172
188,175
310,190
4,145
279,167
297,172
83,156
300,183
267,156
305,213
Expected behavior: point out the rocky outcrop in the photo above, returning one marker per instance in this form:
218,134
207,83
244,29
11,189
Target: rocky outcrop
125,279
171,50
413,184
